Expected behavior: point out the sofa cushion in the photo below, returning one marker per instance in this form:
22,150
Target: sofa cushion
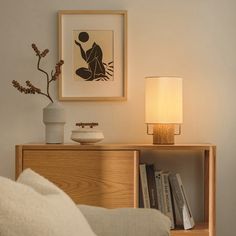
126,221
33,206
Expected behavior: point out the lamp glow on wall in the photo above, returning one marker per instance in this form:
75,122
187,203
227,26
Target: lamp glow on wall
163,107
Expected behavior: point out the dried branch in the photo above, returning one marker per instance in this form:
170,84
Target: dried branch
55,75
24,89
31,89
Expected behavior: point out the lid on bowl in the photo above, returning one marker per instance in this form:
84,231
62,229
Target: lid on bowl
90,125
86,128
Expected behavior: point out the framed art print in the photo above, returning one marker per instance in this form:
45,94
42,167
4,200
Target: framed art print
93,45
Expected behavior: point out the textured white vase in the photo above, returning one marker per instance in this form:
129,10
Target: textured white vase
54,120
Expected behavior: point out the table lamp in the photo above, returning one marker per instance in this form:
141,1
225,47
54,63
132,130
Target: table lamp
163,108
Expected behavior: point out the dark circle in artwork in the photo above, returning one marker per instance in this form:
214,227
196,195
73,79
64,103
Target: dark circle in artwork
83,37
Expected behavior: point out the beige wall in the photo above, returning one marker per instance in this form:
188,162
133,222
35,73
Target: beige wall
192,39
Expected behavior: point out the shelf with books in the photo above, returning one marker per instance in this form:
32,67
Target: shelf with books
165,191
197,166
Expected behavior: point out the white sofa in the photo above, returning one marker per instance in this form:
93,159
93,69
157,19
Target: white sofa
33,206
126,221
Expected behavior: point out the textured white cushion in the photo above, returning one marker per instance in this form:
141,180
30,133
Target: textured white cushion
33,206
126,221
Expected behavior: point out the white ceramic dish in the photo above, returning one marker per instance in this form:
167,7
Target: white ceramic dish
87,135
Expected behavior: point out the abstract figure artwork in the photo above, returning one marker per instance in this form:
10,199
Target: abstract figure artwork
93,55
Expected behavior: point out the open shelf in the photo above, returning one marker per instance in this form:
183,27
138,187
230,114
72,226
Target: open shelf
201,229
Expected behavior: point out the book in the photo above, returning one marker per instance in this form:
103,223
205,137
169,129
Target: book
144,185
159,187
177,216
141,204
151,186
181,201
167,198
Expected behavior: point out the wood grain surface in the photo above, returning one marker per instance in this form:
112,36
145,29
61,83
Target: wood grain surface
100,178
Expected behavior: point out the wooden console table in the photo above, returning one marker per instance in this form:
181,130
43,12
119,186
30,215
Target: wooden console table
107,175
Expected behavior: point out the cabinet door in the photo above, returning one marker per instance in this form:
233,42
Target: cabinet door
101,178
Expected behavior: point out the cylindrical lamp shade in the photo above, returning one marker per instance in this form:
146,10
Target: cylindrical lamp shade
163,100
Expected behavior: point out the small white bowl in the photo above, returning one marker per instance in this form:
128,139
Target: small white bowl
87,135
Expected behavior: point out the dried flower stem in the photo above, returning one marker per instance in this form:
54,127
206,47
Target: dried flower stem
47,77
31,89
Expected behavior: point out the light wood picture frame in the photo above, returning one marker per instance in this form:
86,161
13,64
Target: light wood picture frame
93,45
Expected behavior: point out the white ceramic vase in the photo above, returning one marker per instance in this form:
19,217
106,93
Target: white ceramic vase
54,120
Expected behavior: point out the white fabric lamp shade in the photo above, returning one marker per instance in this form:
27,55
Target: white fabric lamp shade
163,100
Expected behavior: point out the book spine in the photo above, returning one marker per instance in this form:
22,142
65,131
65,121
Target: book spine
152,186
182,201
141,203
144,184
177,216
167,199
159,188
176,193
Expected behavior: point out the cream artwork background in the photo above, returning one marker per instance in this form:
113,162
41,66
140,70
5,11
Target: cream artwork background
93,55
